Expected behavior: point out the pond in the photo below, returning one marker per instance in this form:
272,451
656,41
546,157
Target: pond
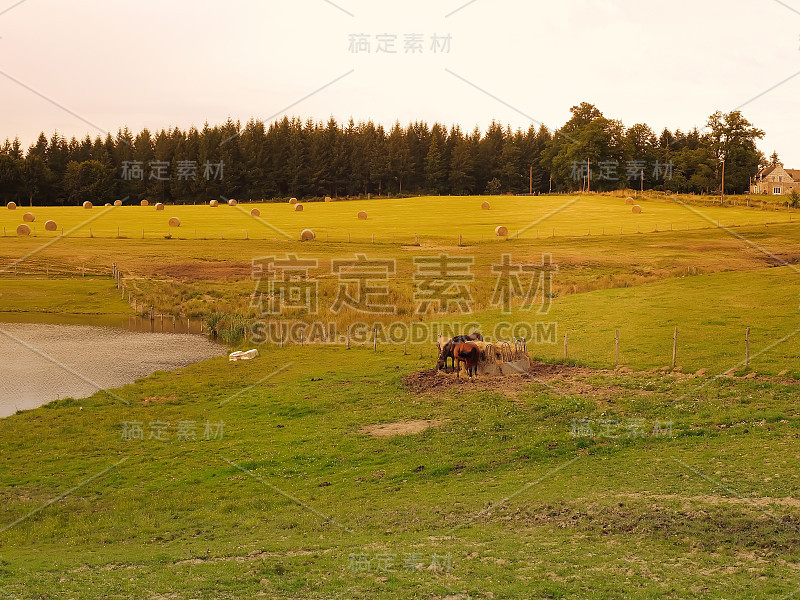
46,361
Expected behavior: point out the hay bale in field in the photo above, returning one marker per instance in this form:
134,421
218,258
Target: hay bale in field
501,231
486,206
87,204
637,210
159,206
328,199
144,203
307,235
107,204
362,215
293,201
214,203
629,201
117,202
11,205
50,226
23,230
174,222
29,217
232,202
255,213
298,208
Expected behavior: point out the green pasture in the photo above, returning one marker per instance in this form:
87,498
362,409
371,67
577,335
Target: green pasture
398,220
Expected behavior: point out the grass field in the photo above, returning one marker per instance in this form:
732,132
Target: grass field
576,482
396,220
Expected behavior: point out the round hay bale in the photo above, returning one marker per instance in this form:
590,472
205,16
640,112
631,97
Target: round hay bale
298,208
107,204
629,201
486,206
11,205
29,217
87,204
637,210
214,203
174,222
328,199
232,202
117,202
501,231
51,226
144,203
293,201
159,206
23,230
362,216
255,213
307,235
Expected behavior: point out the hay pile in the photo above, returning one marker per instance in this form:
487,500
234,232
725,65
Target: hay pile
50,226
11,205
23,230
174,222
29,217
362,216
486,206
159,206
214,203
307,235
255,213
637,210
144,203
501,231
87,204
298,208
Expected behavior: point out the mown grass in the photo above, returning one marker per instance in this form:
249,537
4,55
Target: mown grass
492,488
396,220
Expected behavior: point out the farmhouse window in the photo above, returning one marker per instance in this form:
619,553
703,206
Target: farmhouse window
776,191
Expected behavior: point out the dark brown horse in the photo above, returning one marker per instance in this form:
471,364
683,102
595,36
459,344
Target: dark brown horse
446,347
467,353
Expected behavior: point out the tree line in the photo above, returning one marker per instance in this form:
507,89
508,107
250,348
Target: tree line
308,159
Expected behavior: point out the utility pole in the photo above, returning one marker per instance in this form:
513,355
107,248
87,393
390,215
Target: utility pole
588,175
642,178
530,182
723,180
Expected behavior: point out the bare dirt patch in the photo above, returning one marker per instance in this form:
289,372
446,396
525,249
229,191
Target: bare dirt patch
205,271
383,430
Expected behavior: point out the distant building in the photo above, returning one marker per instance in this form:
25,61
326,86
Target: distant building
776,181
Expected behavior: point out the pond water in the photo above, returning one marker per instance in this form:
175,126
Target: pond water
46,361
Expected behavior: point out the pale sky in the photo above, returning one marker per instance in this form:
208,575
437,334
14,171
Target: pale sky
90,66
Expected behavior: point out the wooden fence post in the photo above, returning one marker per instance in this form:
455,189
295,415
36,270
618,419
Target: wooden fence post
747,348
675,348
616,343
566,346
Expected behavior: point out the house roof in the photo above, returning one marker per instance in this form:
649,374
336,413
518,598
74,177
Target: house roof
794,174
767,171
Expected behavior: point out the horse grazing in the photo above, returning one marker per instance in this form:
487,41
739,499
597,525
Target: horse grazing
447,345
469,354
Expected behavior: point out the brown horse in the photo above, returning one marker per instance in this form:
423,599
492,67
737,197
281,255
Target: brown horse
447,345
469,354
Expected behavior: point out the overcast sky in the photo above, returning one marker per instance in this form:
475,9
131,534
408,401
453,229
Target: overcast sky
90,66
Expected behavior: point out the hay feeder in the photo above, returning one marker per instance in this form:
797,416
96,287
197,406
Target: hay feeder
307,236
